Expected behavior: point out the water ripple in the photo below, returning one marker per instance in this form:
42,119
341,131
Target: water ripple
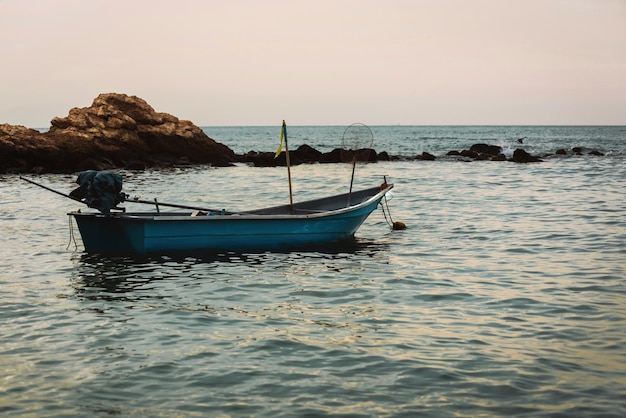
506,296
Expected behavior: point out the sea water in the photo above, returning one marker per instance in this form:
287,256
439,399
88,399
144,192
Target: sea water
505,295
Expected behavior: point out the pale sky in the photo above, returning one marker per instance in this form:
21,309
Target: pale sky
319,62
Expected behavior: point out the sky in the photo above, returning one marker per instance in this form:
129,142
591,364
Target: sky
319,62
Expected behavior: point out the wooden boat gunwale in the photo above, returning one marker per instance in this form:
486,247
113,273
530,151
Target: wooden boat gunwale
283,211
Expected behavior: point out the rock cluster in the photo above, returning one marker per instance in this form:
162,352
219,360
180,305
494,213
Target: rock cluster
116,131
483,152
121,131
306,154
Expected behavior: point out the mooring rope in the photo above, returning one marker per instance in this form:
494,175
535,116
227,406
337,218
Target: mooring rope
394,225
72,237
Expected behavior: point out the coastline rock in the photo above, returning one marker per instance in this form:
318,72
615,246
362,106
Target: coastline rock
485,152
116,131
469,154
121,131
486,149
305,154
339,155
384,156
25,150
425,156
521,156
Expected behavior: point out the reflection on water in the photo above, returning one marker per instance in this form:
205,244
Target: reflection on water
132,277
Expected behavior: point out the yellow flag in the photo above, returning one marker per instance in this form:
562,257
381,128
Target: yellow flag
283,132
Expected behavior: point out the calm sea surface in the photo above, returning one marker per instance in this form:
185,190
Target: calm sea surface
506,295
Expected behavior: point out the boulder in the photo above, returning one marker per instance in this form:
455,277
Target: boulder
116,131
521,156
486,149
307,154
384,156
469,154
25,150
425,156
266,159
362,155
333,156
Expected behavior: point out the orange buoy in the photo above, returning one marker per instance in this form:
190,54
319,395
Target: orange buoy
397,225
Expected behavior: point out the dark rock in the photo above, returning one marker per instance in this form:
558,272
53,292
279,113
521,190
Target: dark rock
384,156
595,152
136,165
361,155
117,130
265,159
499,157
425,156
486,149
469,154
577,150
367,155
453,153
561,151
307,154
333,156
521,156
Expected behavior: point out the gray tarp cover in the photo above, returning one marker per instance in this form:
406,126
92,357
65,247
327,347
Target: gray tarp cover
99,190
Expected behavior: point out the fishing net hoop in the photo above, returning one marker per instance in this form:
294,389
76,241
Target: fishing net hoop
357,136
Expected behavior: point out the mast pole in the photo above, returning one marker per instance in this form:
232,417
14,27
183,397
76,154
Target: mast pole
284,128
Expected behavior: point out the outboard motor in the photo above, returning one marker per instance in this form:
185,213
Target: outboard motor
100,190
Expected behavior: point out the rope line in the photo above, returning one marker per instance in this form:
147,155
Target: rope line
393,225
72,237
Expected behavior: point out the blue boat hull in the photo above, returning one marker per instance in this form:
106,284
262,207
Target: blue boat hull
255,230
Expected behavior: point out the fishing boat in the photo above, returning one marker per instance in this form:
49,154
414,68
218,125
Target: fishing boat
313,222
309,223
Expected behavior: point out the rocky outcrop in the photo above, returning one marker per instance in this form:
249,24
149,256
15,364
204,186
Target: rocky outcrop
306,154
521,156
486,152
121,131
116,131
426,156
486,149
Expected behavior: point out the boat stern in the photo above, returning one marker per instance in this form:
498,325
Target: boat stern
109,234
